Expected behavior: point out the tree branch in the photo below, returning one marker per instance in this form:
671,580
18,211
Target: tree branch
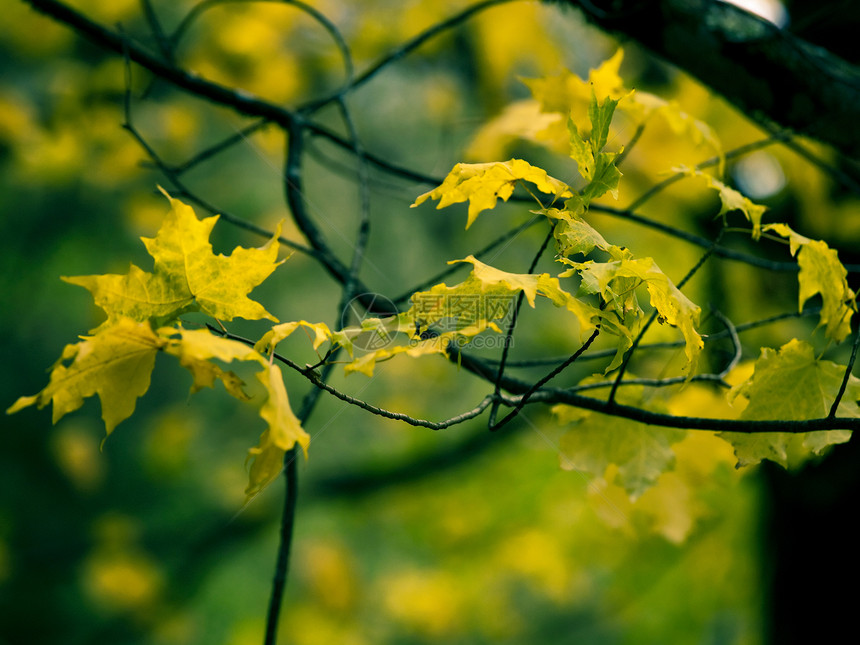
767,73
569,396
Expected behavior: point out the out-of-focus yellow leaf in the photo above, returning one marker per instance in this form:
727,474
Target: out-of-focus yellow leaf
522,119
595,441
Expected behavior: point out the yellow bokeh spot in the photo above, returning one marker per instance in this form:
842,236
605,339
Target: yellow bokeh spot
109,11
76,450
16,117
122,580
538,557
317,628
331,575
167,445
427,601
19,25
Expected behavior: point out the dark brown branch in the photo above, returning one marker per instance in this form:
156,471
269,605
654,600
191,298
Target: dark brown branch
647,417
282,562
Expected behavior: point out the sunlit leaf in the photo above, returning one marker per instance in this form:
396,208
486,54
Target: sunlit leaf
195,350
731,200
282,331
617,280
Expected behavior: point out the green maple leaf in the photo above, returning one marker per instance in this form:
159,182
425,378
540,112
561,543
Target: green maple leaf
821,272
187,276
574,235
642,453
115,364
790,383
483,184
596,167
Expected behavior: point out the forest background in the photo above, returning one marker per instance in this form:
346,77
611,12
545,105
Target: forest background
403,535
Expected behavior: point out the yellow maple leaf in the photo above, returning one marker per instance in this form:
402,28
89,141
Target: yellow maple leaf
187,275
283,432
821,272
731,200
115,363
483,184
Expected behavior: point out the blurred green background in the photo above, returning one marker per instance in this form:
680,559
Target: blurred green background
404,535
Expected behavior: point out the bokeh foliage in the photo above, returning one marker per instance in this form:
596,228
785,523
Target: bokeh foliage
404,536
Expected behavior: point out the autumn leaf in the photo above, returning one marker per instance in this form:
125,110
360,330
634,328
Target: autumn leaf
458,313
730,200
545,119
483,184
821,272
196,350
790,383
283,432
641,453
533,285
276,334
187,275
522,119
115,364
567,92
574,235
617,280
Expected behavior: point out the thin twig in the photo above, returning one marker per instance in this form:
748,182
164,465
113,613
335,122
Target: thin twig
846,376
564,395
282,562
544,380
509,332
208,153
405,49
429,282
